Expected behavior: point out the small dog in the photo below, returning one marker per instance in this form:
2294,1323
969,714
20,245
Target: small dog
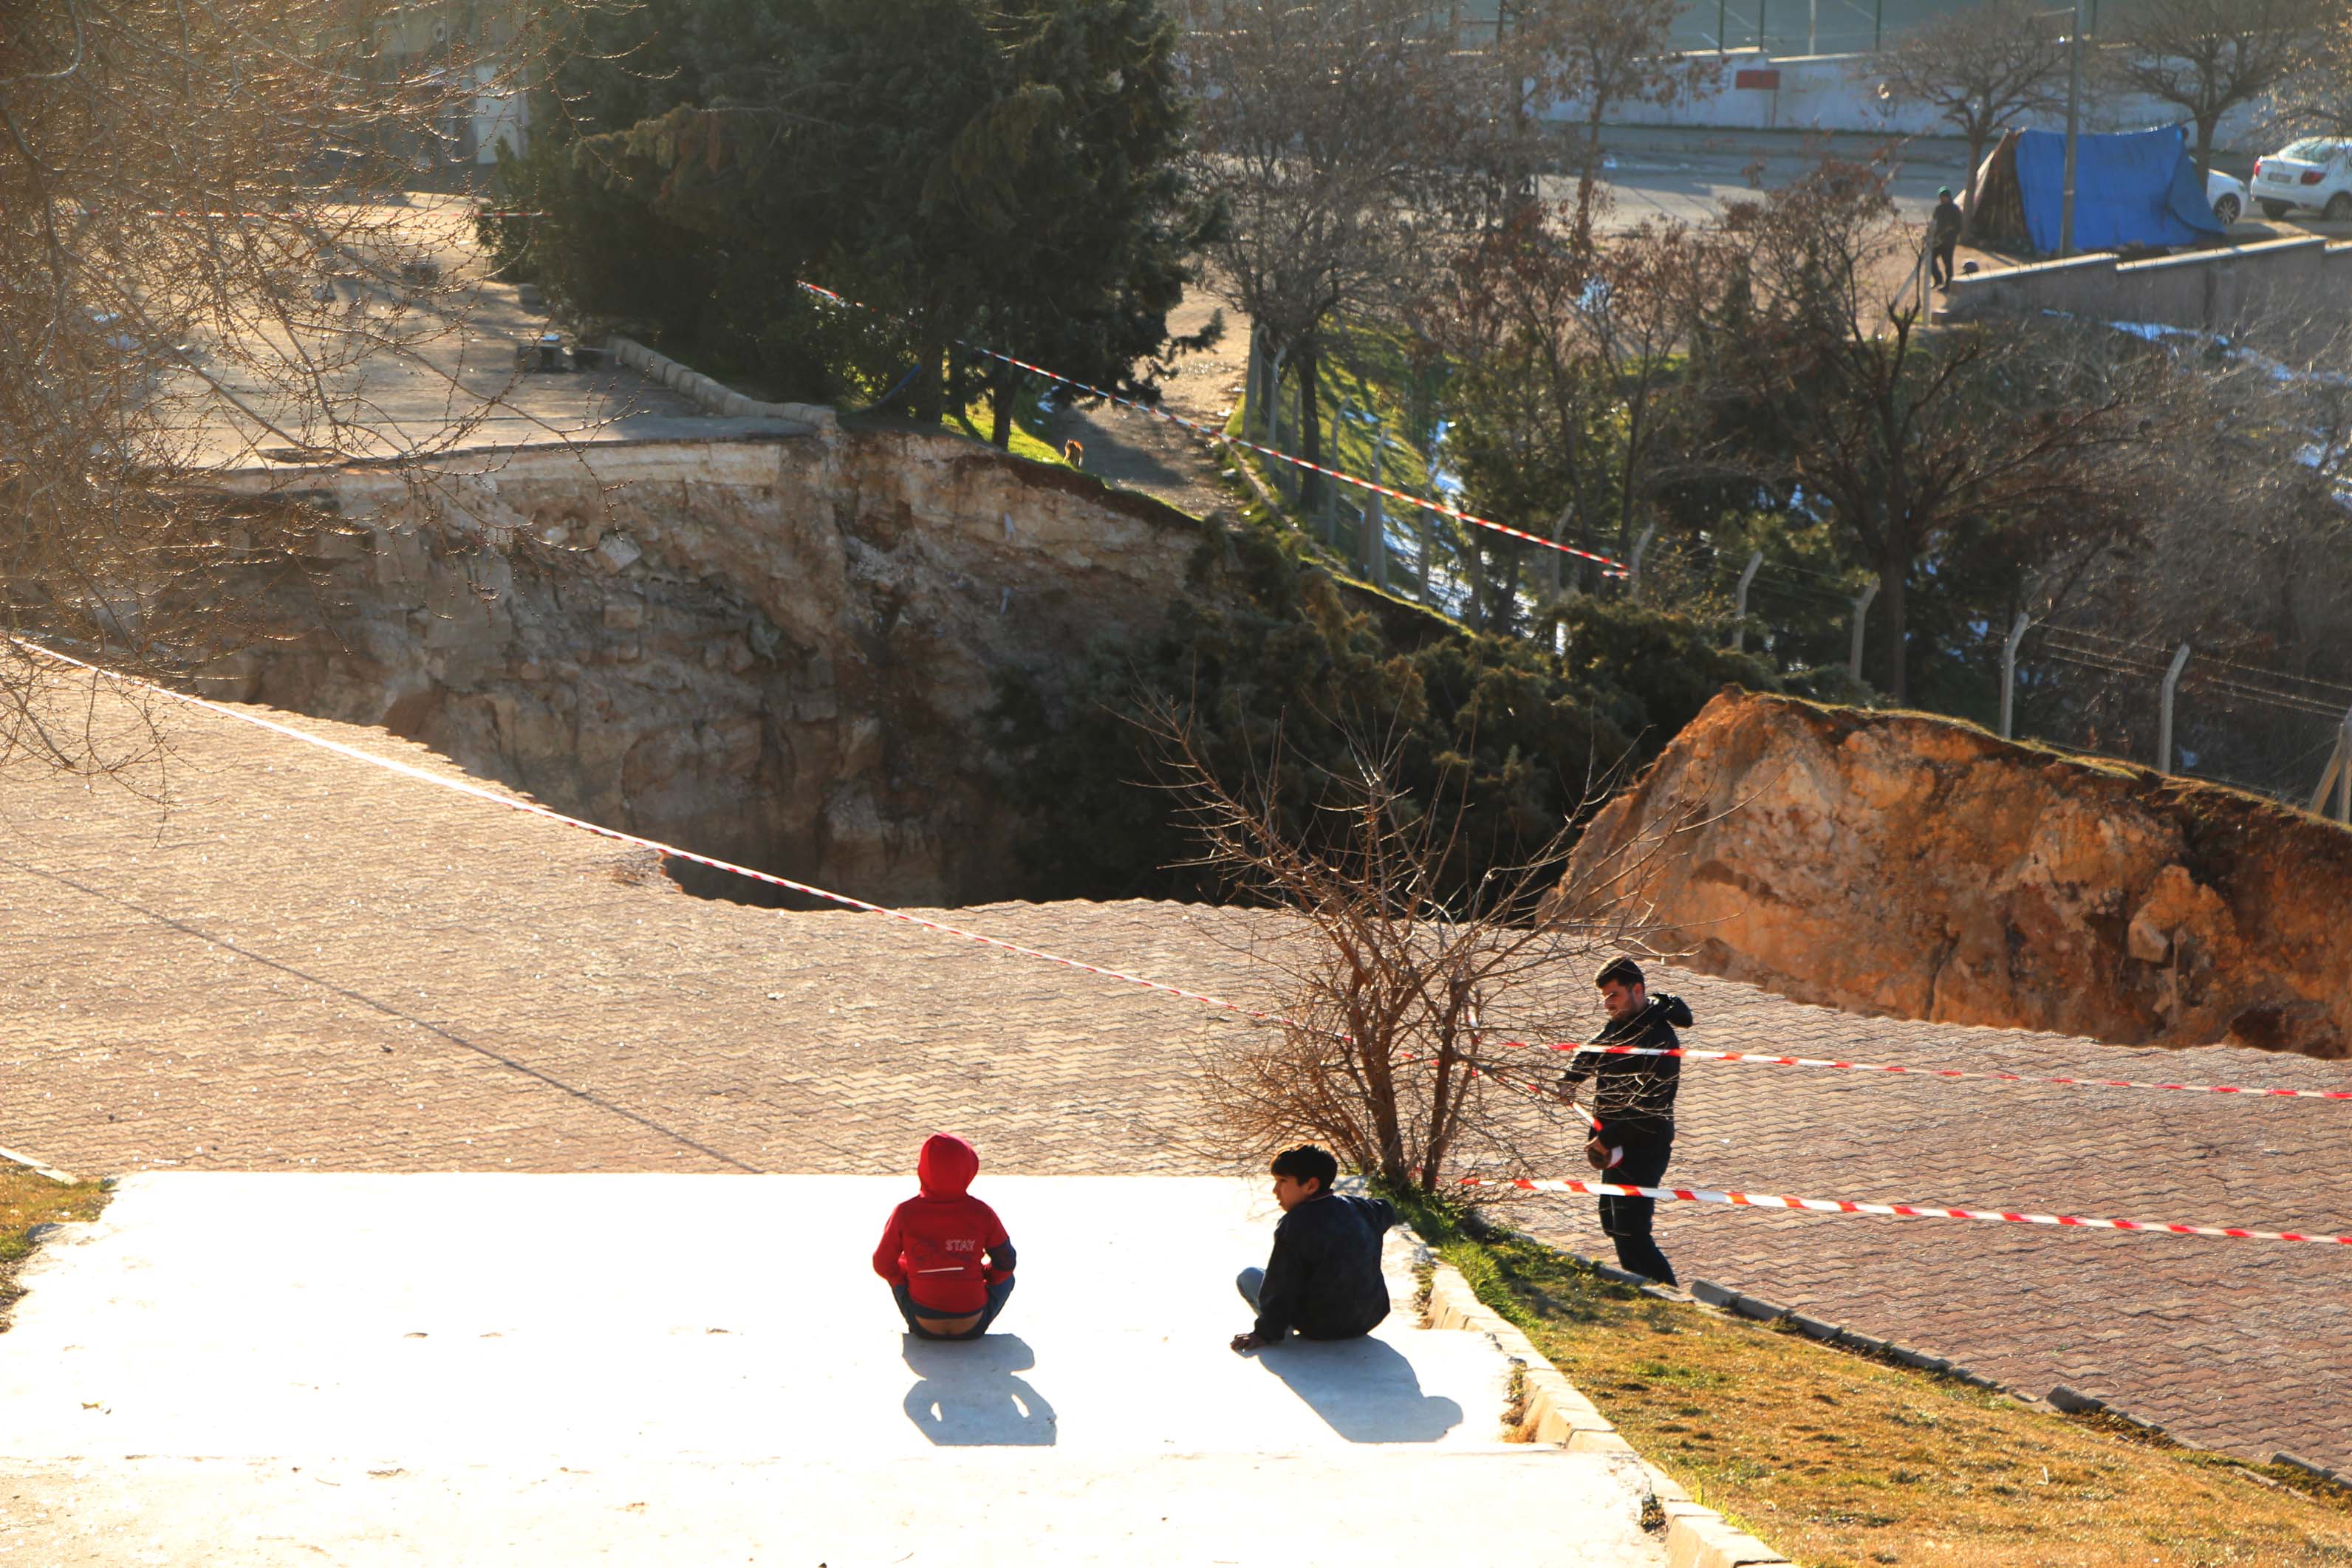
1073,453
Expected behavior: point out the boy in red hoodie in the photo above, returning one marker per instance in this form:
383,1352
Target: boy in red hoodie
945,1253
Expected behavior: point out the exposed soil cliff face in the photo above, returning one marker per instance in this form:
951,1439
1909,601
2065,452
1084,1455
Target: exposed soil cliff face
1897,864
773,651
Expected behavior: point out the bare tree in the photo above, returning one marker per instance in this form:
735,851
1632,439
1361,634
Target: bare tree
1981,70
204,251
1329,129
1599,54
1827,391
1398,1006
2316,97
1565,349
2206,57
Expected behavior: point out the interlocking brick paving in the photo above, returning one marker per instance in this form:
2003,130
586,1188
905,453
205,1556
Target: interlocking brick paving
305,963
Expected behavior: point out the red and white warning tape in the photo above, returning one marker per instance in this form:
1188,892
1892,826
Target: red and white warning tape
1904,1211
532,808
1218,435
1762,1060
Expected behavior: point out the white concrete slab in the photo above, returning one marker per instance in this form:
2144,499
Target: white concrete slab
693,1369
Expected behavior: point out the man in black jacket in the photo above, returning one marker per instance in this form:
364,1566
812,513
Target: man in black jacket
1324,1279
1944,232
1633,1101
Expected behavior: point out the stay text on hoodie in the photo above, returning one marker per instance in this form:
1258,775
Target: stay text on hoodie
945,1245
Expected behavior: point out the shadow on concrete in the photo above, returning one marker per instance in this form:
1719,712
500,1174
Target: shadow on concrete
1365,1388
968,1397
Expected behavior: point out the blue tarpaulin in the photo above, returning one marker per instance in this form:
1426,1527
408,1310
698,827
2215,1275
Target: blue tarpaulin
2135,189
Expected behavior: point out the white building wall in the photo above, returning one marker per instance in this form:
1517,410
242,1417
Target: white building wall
1841,93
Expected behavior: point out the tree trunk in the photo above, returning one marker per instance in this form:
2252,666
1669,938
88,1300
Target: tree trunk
1001,389
1588,178
1552,558
2206,125
1311,426
927,396
1890,609
1968,184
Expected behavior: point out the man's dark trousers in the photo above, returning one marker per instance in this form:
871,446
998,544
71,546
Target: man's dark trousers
1941,270
1626,1221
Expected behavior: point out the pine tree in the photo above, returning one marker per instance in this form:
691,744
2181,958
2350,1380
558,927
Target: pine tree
1000,170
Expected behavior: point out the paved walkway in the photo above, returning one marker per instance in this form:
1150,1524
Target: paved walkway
311,964
661,1369
441,378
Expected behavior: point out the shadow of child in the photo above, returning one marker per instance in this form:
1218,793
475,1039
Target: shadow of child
969,1397
1364,1389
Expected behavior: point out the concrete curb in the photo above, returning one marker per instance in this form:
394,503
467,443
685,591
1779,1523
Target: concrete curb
813,419
1695,1537
2063,1400
61,1177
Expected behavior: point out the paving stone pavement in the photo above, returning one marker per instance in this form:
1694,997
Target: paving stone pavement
307,964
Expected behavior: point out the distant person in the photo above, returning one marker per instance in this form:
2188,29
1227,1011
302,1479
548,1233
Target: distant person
1945,226
1633,1100
944,1252
1323,1280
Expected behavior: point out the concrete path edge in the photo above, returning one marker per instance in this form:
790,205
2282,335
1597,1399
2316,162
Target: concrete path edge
12,1157
1557,1413
813,418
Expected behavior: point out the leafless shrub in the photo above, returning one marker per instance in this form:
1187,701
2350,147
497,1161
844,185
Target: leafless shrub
207,263
1395,1003
1337,135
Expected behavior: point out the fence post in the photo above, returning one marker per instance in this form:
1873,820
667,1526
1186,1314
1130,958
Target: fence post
1633,566
1740,605
2339,765
1424,538
2344,775
2164,711
1271,419
1254,383
1861,616
2009,674
1374,539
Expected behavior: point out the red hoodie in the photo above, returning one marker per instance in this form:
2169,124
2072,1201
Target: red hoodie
948,1247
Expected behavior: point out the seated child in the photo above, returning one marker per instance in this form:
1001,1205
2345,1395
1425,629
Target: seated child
945,1253
1324,1279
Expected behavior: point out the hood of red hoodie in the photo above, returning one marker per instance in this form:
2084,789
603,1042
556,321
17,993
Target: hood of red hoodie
947,1166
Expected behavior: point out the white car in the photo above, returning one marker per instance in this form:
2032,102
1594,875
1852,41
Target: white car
2312,175
2227,195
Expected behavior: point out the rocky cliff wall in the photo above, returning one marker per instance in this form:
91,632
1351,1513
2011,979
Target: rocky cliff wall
776,651
1896,865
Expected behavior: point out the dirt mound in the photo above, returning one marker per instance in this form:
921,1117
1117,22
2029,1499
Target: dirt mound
1904,865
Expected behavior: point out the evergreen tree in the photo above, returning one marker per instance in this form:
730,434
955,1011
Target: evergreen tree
967,168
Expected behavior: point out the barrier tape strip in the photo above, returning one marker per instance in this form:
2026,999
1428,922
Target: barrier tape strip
1616,566
1759,1057
533,809
1903,1211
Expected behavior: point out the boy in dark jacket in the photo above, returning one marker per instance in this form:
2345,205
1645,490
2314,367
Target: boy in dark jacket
945,1253
1324,1279
1633,1100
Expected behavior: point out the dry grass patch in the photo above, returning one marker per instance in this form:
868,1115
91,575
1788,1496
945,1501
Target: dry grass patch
28,1199
1845,1461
